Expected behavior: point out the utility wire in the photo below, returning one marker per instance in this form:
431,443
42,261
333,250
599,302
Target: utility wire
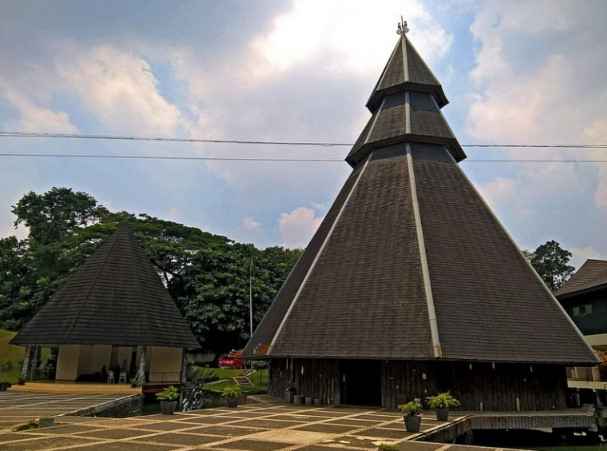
17,134
195,158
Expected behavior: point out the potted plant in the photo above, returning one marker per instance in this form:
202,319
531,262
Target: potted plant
412,417
442,403
232,395
168,400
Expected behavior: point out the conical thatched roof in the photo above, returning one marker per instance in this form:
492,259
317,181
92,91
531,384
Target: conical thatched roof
410,263
114,298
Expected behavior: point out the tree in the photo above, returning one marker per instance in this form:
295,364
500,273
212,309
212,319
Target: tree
206,274
551,262
55,214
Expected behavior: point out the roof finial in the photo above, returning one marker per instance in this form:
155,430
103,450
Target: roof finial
402,28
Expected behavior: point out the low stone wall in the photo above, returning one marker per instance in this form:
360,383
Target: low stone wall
521,421
126,406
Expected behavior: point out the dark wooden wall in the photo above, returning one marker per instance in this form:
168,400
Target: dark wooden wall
476,385
318,379
595,322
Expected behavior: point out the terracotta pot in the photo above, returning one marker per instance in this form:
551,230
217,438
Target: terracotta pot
412,422
289,396
232,401
442,414
168,407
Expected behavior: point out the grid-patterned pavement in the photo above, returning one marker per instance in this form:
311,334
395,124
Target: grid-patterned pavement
250,427
17,407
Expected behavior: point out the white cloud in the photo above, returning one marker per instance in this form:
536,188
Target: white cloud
535,82
120,89
597,133
298,226
34,117
581,254
348,35
497,191
250,224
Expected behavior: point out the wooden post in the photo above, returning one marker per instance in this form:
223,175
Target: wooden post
27,359
34,360
184,367
140,377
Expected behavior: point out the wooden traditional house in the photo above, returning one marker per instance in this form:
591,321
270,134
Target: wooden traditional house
112,316
584,297
411,286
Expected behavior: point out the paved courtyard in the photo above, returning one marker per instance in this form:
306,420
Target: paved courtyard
249,427
17,407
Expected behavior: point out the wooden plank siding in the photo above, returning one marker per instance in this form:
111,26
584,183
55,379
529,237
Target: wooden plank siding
479,385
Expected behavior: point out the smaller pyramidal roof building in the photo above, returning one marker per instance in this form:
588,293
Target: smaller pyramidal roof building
411,286
113,314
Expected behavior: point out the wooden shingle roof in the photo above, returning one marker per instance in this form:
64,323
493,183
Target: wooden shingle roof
591,275
410,263
114,298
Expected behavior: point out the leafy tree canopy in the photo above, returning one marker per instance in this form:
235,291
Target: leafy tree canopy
207,275
551,262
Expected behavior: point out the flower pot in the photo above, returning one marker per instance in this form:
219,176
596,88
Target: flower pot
412,422
316,401
298,399
289,396
442,414
46,422
168,407
4,386
232,401
308,400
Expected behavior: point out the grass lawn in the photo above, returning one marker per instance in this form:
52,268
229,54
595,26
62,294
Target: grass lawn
10,358
225,375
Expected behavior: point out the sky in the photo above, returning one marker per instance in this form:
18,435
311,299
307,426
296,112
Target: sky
514,72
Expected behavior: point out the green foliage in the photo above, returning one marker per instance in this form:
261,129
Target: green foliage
32,424
54,215
206,274
202,375
552,263
11,358
411,408
232,391
168,394
442,401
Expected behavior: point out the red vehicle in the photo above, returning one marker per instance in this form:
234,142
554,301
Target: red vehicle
234,359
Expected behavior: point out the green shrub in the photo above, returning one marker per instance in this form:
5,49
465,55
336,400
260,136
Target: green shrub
203,375
168,394
443,401
232,391
411,408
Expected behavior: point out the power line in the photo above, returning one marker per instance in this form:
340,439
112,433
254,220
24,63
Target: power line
162,157
17,134
303,160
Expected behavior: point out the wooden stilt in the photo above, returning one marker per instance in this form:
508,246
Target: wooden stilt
27,360
140,377
184,367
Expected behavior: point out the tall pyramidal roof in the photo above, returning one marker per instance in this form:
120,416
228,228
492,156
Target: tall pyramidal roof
410,262
114,298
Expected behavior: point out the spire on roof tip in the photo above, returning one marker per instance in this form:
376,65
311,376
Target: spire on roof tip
402,27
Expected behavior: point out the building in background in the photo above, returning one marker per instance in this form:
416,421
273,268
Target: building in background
584,297
411,286
113,319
